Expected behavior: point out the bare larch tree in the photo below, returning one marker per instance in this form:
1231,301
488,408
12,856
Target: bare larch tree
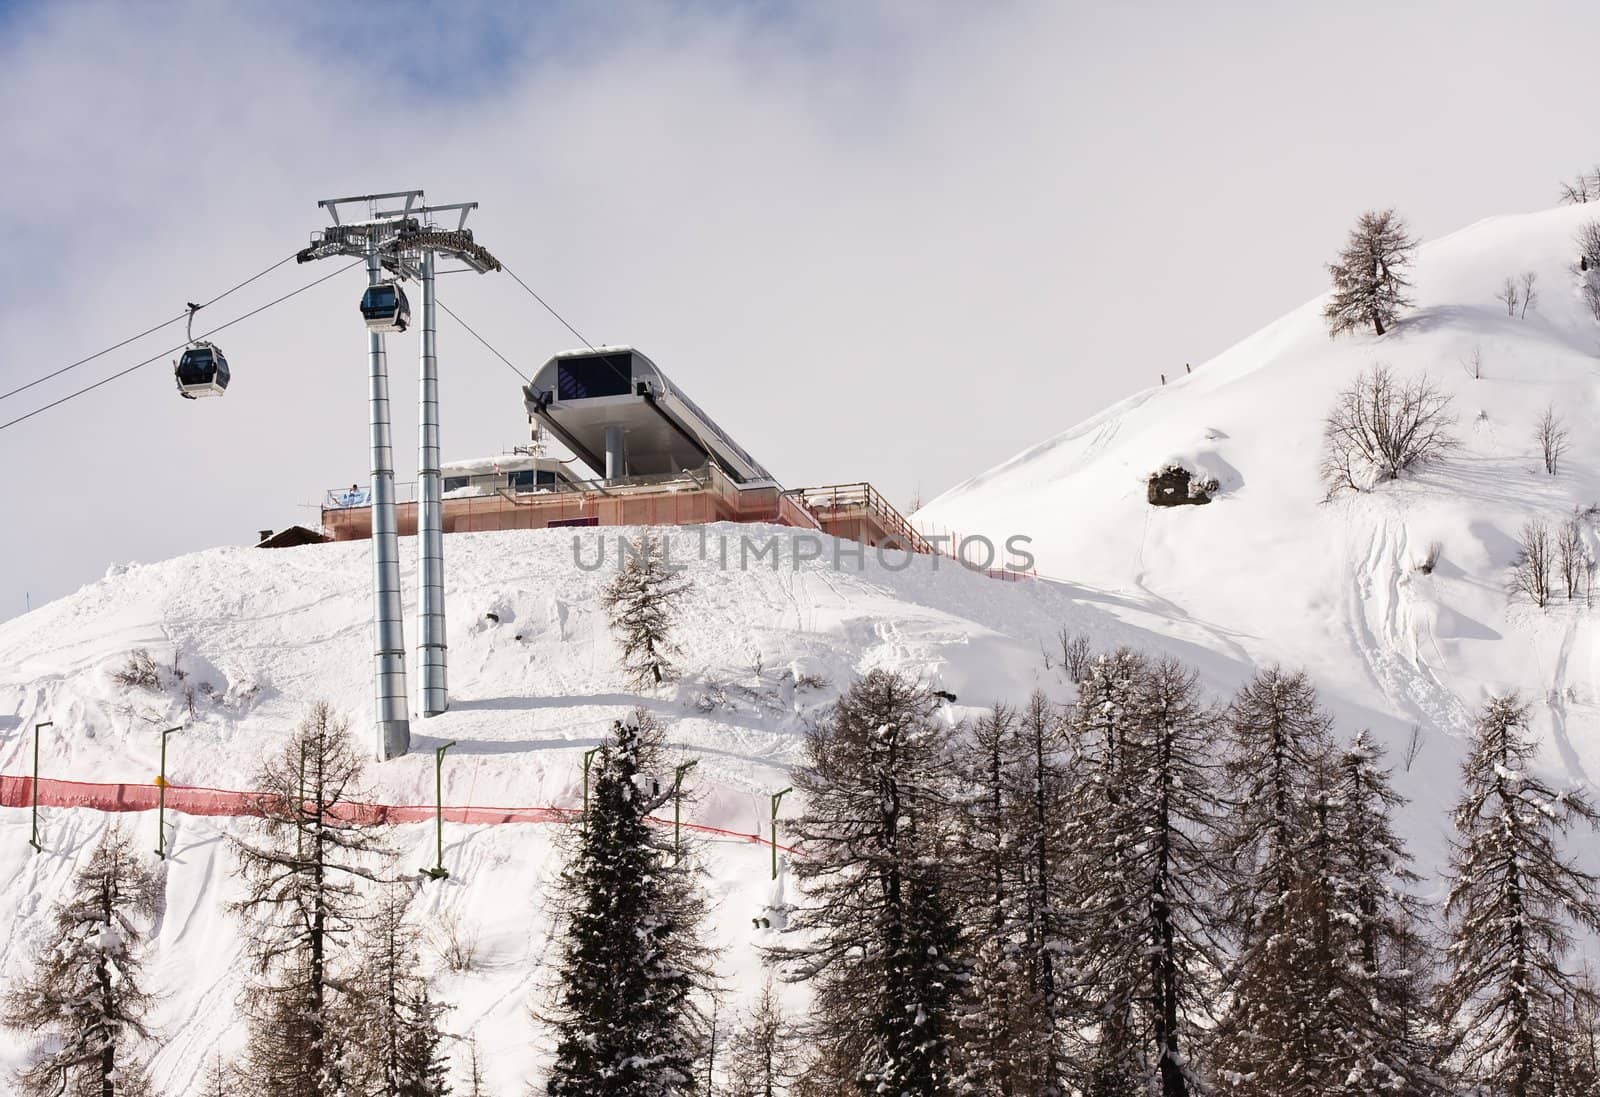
764,1054
304,871
874,937
1380,427
1510,295
1554,440
1572,559
1369,283
1530,570
1585,187
1514,900
84,1002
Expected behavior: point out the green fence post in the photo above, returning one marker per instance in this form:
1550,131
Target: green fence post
34,839
161,803
588,760
777,798
677,805
438,871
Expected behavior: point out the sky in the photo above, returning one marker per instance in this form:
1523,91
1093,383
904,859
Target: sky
895,242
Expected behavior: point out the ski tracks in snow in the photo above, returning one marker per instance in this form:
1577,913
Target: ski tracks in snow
1383,630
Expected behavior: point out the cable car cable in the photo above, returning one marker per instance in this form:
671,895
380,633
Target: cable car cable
482,340
148,331
180,346
547,307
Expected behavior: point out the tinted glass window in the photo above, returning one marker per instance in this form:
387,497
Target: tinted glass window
455,483
594,375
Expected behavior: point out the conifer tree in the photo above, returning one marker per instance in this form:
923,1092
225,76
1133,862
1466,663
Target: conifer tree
1099,872
220,1081
880,943
304,871
475,1085
1274,1040
1005,1031
84,1002
625,1020
1388,1040
1041,818
1279,740
1148,870
1513,901
397,1045
1369,283
1153,938
764,1053
642,602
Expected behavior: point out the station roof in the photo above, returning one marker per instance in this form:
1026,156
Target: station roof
578,394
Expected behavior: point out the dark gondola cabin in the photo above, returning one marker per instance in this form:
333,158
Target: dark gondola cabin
202,371
385,308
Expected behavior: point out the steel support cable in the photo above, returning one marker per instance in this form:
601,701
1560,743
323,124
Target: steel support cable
509,364
180,346
548,308
147,331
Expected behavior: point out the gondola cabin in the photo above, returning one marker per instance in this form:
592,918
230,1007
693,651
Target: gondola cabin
384,307
202,371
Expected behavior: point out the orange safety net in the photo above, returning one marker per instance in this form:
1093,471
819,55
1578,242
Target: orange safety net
17,792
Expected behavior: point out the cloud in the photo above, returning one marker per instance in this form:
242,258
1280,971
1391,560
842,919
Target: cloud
891,242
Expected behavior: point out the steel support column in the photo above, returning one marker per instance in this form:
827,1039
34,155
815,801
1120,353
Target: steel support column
433,685
388,627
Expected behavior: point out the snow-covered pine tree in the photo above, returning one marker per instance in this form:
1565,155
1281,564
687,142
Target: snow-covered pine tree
1369,284
625,1020
917,1030
1041,818
84,1002
1280,740
1273,1039
424,1065
1278,1037
764,1054
1152,933
396,1046
1576,1066
1388,1038
1513,901
1005,1034
642,602
475,1085
1099,873
303,872
877,932
220,1080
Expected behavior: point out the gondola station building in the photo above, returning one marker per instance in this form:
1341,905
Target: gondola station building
643,454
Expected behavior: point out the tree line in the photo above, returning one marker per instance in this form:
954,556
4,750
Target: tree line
1150,893
1146,891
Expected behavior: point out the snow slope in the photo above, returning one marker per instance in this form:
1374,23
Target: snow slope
1269,572
1266,573
269,632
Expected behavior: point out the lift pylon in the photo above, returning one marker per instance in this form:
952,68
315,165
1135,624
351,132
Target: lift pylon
403,242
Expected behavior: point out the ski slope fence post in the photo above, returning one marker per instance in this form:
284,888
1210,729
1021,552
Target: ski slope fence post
777,798
34,840
161,791
677,806
438,871
588,761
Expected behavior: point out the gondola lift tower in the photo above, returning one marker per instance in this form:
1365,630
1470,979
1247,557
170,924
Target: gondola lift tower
400,244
